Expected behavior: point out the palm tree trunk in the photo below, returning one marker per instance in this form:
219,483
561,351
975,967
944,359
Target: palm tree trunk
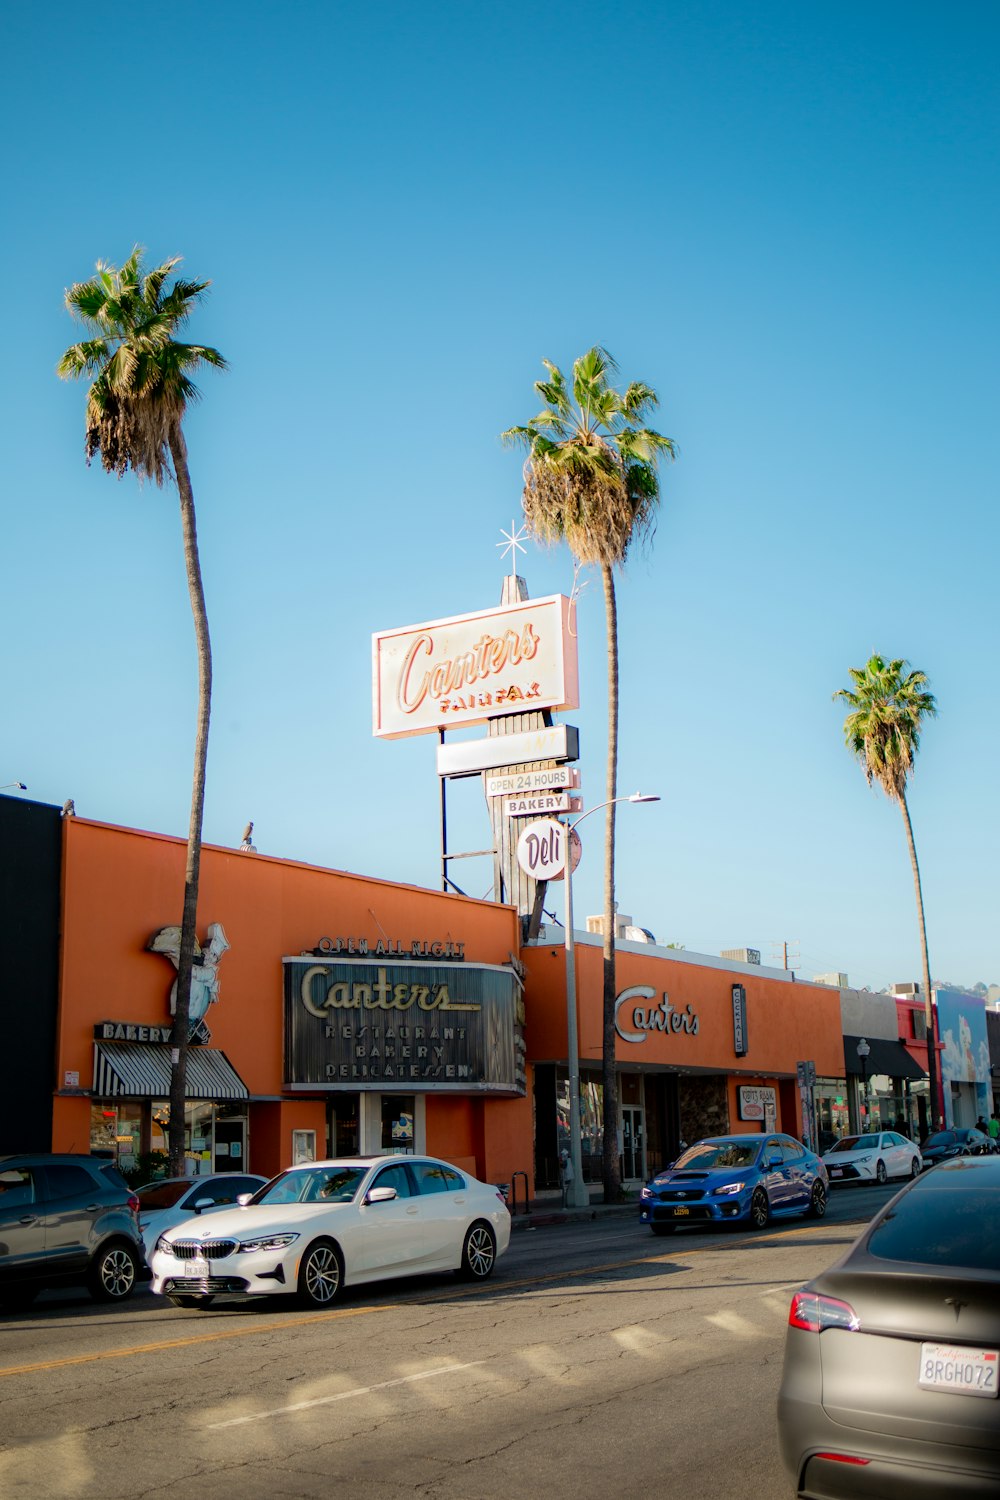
932,1059
611,1172
189,917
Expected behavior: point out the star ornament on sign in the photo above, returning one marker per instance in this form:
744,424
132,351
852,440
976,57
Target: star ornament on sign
513,542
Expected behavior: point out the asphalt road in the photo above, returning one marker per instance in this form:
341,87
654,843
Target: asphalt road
597,1358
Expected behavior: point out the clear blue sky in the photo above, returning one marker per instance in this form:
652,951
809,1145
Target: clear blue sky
784,217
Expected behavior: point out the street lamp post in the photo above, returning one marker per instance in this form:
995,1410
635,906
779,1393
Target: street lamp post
863,1052
577,1193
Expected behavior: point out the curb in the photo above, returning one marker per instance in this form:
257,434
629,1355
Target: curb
548,1217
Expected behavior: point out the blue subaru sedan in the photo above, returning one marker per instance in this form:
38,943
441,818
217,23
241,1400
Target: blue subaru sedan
733,1179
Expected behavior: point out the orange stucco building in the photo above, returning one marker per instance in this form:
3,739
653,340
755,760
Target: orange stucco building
343,1014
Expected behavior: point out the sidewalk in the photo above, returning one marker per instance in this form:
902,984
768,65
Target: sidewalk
547,1209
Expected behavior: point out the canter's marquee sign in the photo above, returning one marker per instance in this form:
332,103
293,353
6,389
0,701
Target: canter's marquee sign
399,1025
471,668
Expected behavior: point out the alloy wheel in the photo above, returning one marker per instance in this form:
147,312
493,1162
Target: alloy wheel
320,1277
114,1274
480,1252
760,1209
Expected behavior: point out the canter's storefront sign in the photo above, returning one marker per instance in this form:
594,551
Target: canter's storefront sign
471,668
635,1017
386,1025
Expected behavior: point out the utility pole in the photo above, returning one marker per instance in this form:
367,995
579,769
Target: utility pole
786,952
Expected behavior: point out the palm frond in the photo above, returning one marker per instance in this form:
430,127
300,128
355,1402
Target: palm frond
887,706
591,473
142,382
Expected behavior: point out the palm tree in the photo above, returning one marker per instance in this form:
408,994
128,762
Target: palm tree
590,479
888,707
140,389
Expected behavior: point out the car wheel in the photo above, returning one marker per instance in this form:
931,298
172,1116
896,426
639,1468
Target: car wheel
817,1202
113,1273
760,1209
479,1253
915,1167
662,1229
188,1301
321,1275
880,1172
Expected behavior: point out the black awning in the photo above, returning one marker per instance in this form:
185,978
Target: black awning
142,1071
886,1056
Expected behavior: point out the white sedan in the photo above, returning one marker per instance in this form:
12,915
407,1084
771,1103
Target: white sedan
168,1201
320,1227
873,1158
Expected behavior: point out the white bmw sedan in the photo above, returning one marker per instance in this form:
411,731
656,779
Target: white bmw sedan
320,1227
873,1157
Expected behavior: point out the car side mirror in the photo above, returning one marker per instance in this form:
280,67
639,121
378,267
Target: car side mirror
243,1199
775,1161
380,1195
203,1203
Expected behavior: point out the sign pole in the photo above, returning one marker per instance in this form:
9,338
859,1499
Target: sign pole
577,1193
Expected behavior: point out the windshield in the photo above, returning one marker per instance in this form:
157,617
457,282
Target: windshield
942,1225
709,1154
162,1194
855,1143
318,1185
943,1138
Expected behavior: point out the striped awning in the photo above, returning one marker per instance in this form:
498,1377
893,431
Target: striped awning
142,1071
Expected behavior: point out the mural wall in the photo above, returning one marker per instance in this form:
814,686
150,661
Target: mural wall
965,1057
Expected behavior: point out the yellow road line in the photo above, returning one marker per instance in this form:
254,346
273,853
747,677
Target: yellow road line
337,1314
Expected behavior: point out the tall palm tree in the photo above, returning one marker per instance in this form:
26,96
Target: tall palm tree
888,706
140,389
591,480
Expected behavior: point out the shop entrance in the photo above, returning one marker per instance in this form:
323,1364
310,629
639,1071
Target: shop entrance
633,1142
230,1142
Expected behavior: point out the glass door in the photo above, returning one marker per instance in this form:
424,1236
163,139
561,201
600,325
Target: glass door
633,1141
230,1143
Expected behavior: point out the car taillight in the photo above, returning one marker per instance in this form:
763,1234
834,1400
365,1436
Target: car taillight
133,1203
813,1313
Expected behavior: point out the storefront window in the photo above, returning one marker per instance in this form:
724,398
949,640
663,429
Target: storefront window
202,1119
398,1111
116,1132
342,1125
591,1123
832,1112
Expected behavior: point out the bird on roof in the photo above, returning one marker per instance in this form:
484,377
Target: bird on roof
69,808
246,845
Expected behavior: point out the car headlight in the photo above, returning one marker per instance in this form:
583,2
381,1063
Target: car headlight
860,1159
163,1244
728,1189
268,1242
645,1192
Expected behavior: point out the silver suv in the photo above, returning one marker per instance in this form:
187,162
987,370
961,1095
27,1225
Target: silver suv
66,1220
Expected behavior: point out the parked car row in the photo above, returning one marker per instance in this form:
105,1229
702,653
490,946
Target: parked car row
312,1230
